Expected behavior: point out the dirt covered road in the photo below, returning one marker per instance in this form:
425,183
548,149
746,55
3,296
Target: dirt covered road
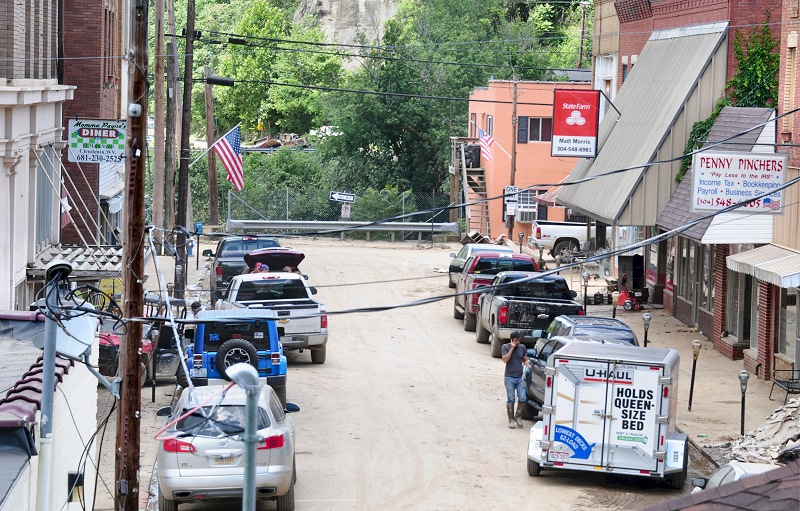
408,412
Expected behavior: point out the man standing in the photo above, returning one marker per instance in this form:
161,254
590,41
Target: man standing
515,357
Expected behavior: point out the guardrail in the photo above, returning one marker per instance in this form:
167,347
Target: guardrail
343,227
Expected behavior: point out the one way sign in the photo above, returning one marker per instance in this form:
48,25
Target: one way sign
343,197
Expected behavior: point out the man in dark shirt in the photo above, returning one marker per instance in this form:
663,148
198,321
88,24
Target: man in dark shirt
515,357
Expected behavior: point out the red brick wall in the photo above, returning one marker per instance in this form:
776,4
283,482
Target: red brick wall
767,315
790,130
86,48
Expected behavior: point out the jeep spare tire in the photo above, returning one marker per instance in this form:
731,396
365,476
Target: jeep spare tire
235,351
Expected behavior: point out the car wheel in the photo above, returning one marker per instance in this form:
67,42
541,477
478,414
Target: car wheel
281,393
318,355
165,504
497,346
534,469
469,322
565,250
235,351
482,335
457,314
450,283
181,377
286,502
529,413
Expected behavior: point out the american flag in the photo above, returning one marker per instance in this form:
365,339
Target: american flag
486,142
229,149
774,205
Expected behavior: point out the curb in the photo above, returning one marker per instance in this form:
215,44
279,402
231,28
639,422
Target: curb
698,448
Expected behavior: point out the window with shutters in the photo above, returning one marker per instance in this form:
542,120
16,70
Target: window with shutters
534,129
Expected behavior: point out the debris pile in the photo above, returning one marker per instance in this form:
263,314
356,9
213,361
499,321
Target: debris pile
773,441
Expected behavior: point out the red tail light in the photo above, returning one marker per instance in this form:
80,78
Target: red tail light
175,445
198,360
549,381
271,442
581,312
502,315
539,233
218,271
275,358
666,392
323,321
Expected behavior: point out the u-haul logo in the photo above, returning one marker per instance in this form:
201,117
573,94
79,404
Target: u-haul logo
621,376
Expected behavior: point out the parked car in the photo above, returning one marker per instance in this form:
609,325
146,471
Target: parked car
730,472
467,251
229,257
534,374
590,328
201,455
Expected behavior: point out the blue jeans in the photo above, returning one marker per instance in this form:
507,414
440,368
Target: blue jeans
515,385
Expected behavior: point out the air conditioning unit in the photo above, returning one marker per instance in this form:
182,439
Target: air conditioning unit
525,216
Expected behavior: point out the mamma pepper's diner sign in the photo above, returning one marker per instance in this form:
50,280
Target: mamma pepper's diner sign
576,115
722,179
96,141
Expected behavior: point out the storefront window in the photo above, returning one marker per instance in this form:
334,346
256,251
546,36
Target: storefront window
733,303
686,269
707,280
787,329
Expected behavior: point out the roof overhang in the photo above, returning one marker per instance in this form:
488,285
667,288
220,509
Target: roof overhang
624,184
777,265
88,263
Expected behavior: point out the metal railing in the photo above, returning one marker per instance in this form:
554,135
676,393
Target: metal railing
332,227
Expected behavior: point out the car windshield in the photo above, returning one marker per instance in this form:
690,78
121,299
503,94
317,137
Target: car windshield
599,333
495,266
554,289
241,247
272,289
220,421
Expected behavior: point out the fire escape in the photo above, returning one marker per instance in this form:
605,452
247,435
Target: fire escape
465,155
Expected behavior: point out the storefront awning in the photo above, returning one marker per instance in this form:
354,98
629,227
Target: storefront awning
777,265
548,198
676,67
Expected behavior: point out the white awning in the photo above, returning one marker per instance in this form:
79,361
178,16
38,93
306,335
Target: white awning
770,263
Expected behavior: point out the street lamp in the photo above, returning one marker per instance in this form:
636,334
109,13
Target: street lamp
646,319
520,235
743,377
585,288
695,354
246,377
614,300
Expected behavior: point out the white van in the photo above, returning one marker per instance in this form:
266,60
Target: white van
611,408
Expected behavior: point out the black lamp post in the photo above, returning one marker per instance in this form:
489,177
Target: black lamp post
743,377
520,235
585,289
695,354
614,300
646,319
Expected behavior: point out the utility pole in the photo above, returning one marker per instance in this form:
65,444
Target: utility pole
583,30
172,95
213,193
183,167
126,495
158,128
512,177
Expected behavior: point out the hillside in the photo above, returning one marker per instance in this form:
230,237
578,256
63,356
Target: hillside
343,20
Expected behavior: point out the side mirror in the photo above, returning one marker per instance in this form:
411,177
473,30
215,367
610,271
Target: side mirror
531,353
164,411
208,253
538,334
291,408
573,293
452,254
313,290
700,482
305,277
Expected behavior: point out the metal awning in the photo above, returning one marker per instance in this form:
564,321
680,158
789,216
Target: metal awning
676,69
548,198
88,263
777,265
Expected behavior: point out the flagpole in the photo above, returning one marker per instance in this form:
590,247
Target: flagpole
215,143
495,141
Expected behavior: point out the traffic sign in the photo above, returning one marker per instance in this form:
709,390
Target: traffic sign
345,210
511,193
343,197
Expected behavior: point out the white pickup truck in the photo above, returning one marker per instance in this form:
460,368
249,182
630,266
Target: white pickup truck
560,238
301,320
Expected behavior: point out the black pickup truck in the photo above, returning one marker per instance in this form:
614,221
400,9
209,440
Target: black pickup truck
531,304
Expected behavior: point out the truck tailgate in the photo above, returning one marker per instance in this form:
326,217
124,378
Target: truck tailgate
605,415
536,313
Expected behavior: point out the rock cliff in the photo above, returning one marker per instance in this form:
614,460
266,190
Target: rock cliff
343,20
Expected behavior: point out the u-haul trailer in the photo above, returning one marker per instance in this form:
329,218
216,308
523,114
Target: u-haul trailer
611,408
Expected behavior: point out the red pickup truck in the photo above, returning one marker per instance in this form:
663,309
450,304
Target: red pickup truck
478,271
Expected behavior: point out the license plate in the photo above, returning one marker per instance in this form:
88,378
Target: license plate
200,372
286,338
227,460
558,456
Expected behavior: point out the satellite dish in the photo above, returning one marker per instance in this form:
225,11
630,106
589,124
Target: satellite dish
77,334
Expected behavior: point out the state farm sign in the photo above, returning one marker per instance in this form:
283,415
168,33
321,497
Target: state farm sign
575,119
722,179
